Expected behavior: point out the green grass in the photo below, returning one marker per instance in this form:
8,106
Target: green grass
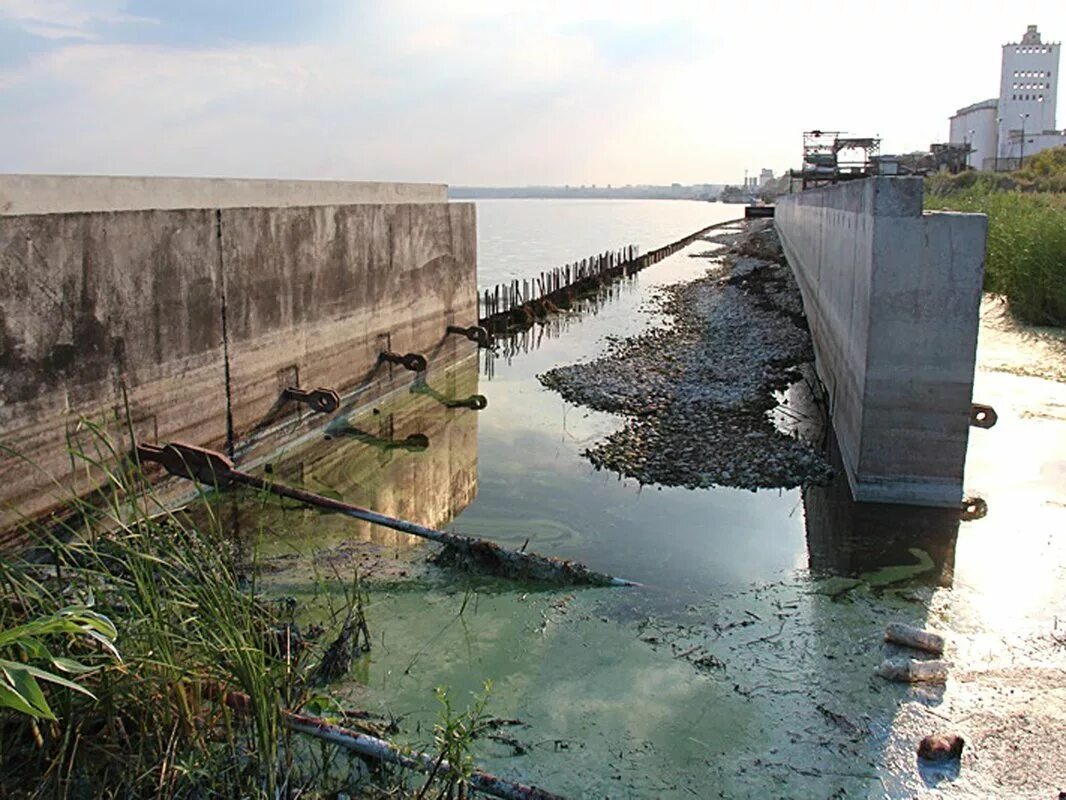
1026,259
148,715
186,630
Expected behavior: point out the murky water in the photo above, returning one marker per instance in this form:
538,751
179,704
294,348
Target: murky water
745,666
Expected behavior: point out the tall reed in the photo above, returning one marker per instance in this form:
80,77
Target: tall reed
1026,257
189,630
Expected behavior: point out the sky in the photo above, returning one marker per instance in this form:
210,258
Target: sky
486,93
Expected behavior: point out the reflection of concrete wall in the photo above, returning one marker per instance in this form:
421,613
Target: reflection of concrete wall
162,308
849,538
56,194
428,486
891,296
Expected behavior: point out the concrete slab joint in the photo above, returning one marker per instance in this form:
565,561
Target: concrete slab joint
192,317
892,298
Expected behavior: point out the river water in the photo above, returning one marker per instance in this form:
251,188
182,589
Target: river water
744,666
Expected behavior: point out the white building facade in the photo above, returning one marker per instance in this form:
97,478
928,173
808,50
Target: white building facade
1021,121
976,126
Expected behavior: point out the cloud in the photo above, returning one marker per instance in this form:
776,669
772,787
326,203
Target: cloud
66,19
469,92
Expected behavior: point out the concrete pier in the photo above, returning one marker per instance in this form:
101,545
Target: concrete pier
194,320
892,297
58,194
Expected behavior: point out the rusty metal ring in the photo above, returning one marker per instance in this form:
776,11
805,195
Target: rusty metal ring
476,333
973,508
477,402
416,362
982,416
324,401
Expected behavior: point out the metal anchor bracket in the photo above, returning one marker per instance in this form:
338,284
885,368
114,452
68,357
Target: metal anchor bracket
476,402
973,508
189,461
982,416
321,400
416,362
474,333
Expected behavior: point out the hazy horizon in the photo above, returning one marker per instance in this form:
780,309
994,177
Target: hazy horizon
474,94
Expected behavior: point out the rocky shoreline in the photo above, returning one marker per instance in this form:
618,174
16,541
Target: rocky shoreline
697,394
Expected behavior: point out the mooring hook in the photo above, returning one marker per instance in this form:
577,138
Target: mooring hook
415,362
973,508
982,416
321,400
474,333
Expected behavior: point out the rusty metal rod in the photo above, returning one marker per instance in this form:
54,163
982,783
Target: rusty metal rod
213,468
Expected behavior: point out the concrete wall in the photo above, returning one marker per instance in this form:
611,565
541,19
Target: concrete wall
197,319
57,194
892,298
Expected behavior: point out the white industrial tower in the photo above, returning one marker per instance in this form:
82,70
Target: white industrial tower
1028,86
1021,121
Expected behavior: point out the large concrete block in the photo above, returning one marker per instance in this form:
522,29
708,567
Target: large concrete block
314,295
103,315
60,194
892,297
189,324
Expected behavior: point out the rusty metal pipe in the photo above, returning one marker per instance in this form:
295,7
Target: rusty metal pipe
213,468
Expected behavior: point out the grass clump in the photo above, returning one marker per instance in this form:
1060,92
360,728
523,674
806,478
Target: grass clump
150,722
177,673
1026,256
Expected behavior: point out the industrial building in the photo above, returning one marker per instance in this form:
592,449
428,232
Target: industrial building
1001,132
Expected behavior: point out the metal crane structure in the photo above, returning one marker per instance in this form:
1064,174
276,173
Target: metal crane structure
831,157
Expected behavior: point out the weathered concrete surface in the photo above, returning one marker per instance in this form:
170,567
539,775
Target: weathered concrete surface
198,319
58,194
314,295
93,305
892,298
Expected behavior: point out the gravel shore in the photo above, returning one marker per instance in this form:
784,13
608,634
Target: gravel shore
697,394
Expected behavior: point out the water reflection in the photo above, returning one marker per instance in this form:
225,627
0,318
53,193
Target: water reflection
409,456
555,326
879,540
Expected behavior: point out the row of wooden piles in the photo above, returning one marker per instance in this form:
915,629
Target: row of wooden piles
517,304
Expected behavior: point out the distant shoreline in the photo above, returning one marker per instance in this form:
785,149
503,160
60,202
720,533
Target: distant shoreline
703,192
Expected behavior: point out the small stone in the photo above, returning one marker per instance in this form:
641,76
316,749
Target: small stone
941,747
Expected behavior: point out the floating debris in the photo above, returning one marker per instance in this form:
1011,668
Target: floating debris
941,747
909,636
